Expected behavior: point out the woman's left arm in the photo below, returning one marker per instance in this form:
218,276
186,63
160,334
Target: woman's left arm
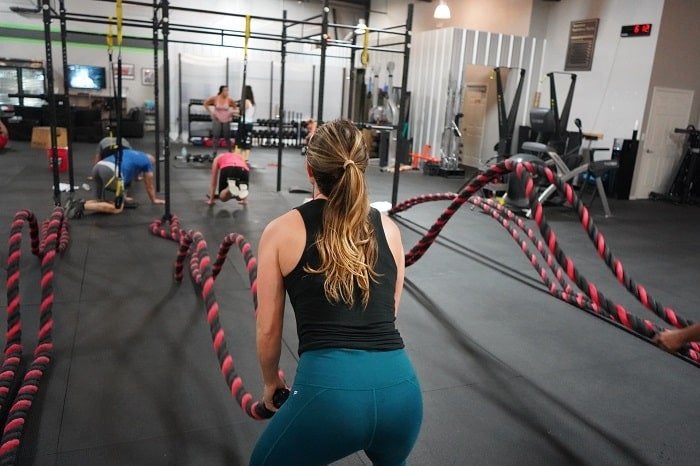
393,237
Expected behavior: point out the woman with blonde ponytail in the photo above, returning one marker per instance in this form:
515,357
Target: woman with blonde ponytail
342,265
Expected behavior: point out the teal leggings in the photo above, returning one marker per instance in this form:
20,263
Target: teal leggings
344,401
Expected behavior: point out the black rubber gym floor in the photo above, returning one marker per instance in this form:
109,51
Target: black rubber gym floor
510,375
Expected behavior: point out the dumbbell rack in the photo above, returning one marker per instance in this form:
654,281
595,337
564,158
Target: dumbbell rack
266,133
196,113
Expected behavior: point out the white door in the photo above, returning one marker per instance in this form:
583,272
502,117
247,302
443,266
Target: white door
473,124
661,150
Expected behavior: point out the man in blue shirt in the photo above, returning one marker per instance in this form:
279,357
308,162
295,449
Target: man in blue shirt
104,174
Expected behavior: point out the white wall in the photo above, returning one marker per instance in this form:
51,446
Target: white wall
611,97
438,63
501,16
677,62
298,78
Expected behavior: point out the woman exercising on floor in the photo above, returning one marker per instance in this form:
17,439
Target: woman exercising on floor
230,174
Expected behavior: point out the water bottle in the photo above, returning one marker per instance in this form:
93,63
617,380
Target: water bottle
183,153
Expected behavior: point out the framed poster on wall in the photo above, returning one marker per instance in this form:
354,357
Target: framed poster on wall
148,76
127,70
579,54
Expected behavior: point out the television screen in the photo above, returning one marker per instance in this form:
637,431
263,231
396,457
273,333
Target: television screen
86,77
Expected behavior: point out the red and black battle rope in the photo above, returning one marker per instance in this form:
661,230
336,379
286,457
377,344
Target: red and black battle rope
613,263
598,303
639,292
204,274
15,407
576,298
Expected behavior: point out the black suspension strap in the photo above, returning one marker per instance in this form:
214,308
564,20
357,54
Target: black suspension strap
241,119
119,188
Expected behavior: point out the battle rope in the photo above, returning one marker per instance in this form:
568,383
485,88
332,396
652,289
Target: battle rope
14,411
619,315
203,274
598,300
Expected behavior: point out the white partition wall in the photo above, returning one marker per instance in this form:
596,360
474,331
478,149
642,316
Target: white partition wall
437,72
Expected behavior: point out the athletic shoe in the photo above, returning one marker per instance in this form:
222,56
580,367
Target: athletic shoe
233,188
243,191
75,208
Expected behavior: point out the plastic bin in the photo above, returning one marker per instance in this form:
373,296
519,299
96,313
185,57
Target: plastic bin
62,159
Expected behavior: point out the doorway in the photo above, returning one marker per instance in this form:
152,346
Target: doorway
661,149
473,124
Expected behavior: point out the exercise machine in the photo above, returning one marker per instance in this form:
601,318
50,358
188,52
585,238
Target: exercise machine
685,188
586,164
553,131
506,120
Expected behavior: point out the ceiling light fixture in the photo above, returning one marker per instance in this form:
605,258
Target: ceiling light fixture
442,11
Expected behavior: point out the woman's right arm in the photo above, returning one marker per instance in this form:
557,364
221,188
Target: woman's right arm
270,312
214,179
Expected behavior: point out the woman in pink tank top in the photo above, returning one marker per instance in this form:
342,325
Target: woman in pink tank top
222,109
230,175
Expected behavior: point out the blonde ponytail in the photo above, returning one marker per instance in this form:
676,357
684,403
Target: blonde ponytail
346,241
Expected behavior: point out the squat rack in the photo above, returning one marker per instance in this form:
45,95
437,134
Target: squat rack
162,22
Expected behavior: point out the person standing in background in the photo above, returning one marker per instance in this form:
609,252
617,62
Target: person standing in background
222,109
243,140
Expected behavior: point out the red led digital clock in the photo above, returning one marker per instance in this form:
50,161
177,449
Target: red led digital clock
636,30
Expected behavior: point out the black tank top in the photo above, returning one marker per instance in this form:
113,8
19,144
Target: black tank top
322,324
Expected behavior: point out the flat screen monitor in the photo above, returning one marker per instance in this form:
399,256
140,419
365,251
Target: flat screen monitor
86,77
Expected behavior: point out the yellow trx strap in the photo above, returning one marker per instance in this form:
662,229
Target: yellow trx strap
364,56
120,17
247,36
110,35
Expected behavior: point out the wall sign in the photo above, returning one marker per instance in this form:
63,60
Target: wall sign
127,70
579,54
148,76
636,30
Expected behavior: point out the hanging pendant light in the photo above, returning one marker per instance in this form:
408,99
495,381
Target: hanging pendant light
442,11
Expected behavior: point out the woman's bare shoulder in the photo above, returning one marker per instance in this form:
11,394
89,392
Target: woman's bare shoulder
391,230
286,225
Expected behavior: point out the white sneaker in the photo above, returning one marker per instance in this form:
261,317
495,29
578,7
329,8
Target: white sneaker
233,188
243,191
